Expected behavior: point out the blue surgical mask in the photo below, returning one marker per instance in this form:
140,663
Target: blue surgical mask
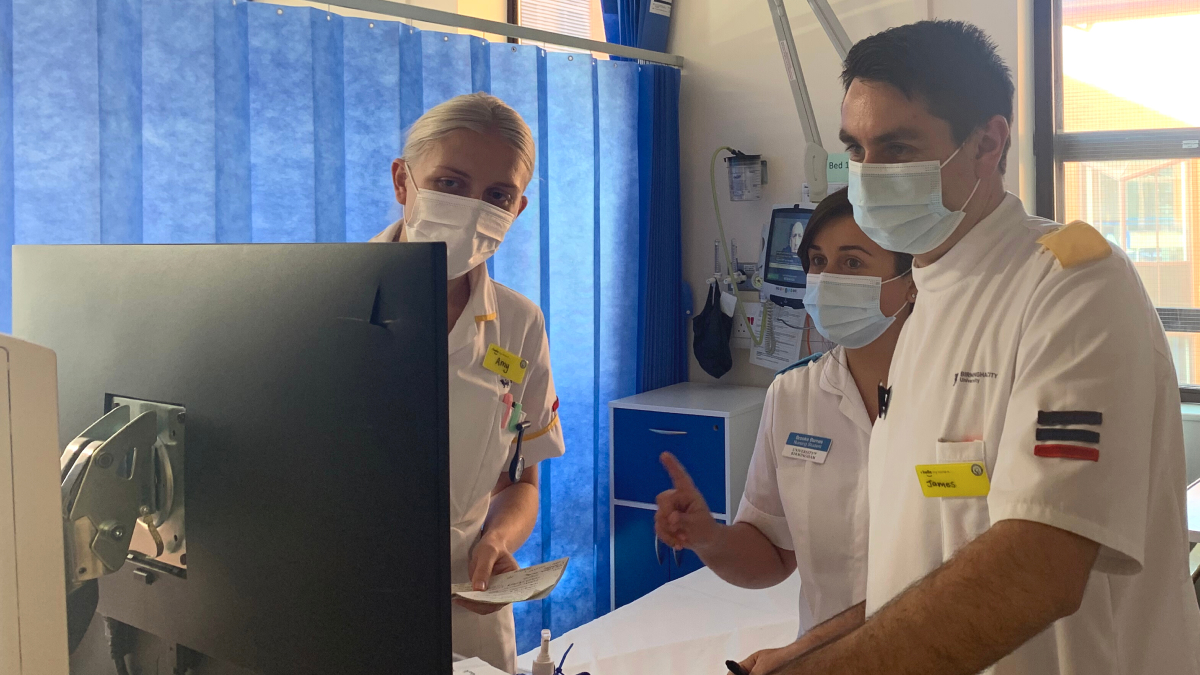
845,308
899,206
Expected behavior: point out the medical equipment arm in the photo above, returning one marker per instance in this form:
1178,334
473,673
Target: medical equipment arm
996,593
815,156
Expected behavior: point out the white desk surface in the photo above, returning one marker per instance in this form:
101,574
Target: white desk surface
718,400
690,626
1193,512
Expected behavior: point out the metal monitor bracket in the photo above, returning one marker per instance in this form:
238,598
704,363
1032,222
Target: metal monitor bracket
122,492
815,156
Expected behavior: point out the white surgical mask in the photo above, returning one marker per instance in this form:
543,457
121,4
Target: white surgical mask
899,206
471,228
845,308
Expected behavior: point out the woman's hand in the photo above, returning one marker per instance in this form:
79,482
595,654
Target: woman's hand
488,558
683,519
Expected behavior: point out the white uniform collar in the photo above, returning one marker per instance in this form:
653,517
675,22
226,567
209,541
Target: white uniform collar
964,258
481,308
389,234
837,380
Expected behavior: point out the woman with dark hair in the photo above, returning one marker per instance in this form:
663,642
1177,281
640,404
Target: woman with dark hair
805,503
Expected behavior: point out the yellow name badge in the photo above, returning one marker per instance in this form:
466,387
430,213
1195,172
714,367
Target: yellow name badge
966,479
505,363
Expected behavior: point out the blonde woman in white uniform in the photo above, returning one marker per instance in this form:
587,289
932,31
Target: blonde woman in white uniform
462,180
805,504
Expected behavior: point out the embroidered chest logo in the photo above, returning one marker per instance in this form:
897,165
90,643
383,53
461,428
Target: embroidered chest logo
973,377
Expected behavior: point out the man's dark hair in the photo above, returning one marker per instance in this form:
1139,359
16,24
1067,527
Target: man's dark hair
950,66
836,206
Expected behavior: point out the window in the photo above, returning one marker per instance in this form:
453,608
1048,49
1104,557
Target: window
569,17
1119,130
577,18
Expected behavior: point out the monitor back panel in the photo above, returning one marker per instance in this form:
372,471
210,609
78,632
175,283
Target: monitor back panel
317,482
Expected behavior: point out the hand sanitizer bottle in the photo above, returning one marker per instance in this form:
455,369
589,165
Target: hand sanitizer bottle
543,664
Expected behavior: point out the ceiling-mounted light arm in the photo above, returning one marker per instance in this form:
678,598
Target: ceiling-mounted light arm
815,157
791,61
833,27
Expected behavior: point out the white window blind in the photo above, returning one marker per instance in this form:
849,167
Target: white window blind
568,17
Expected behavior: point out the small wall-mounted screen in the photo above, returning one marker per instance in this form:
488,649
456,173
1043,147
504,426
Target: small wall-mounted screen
787,227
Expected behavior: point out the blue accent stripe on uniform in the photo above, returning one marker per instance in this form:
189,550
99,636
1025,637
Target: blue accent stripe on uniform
813,358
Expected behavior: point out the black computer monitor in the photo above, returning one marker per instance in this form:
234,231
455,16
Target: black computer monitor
314,379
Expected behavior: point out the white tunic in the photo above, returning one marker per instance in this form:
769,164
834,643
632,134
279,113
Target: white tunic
818,510
479,450
1000,333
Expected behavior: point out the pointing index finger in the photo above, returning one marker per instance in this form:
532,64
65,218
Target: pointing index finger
679,475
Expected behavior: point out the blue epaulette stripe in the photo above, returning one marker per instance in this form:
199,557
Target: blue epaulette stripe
802,362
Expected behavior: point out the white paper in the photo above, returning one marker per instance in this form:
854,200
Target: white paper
531,583
660,7
475,666
788,326
728,303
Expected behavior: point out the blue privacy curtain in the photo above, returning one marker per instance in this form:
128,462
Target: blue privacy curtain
622,18
177,121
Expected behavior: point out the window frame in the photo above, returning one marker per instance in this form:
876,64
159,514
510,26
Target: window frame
1053,148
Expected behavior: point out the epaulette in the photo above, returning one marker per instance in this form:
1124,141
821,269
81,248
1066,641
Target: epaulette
1076,244
802,362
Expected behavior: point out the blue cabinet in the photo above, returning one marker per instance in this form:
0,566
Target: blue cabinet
645,563
711,429
641,436
643,560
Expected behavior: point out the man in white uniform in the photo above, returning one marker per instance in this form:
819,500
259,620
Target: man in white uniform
1026,481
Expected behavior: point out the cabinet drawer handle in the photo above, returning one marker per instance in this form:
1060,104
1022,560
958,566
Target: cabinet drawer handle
668,432
658,549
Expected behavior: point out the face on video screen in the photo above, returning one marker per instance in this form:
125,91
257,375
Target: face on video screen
783,267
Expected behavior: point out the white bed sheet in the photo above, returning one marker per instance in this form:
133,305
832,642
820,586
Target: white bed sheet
689,626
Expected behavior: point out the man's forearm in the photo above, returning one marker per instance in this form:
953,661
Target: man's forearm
832,629
743,556
999,591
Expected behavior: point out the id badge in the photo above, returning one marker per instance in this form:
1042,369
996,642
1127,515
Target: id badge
505,363
961,479
809,448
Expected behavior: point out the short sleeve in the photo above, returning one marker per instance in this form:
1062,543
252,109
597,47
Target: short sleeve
1075,451
761,505
539,402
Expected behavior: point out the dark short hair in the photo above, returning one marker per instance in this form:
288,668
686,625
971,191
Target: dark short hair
832,208
951,66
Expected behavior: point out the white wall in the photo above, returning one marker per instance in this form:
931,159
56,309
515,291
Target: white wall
735,92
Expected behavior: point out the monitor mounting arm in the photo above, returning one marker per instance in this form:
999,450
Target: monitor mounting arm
122,480
815,156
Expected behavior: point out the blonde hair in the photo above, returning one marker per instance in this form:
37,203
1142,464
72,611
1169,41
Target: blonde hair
479,112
